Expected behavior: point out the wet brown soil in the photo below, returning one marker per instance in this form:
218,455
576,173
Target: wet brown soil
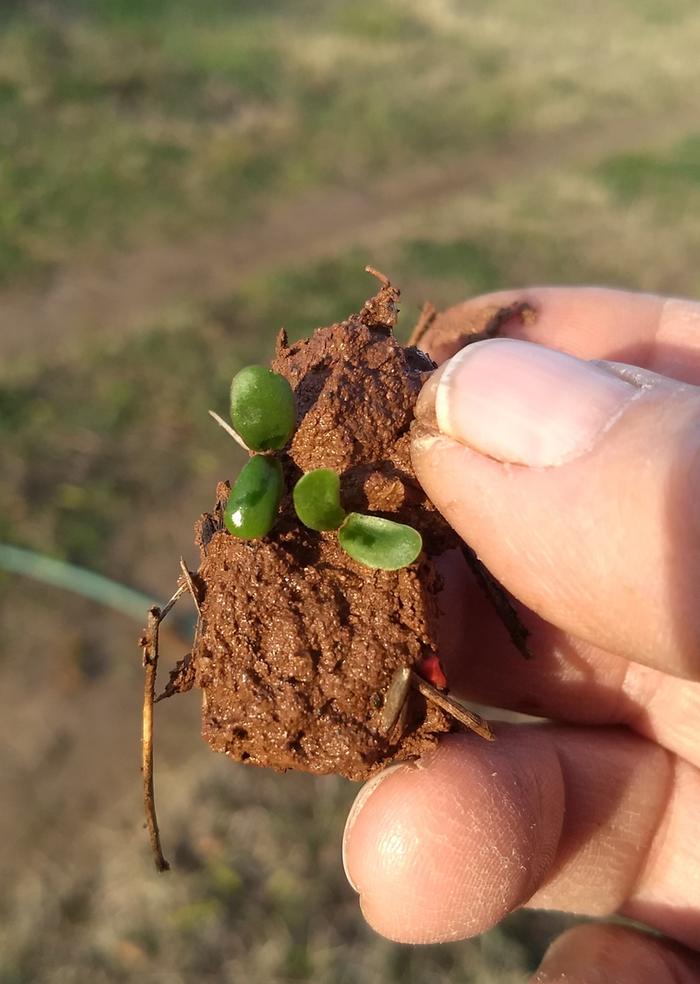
298,643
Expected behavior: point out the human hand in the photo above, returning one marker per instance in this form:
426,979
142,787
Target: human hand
578,485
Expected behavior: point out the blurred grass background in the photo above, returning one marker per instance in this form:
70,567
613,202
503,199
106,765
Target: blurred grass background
177,180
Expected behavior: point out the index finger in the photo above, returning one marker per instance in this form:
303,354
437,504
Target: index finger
657,333
568,680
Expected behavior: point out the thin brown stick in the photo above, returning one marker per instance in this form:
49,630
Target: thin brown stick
499,598
149,644
229,430
190,585
468,718
426,317
181,588
381,277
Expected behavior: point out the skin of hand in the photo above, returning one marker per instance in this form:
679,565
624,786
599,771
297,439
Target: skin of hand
568,455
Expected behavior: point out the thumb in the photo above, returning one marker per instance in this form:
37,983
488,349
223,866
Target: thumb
589,954
578,485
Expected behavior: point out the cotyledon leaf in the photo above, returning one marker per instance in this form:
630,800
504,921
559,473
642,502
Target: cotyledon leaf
317,499
378,542
263,409
252,506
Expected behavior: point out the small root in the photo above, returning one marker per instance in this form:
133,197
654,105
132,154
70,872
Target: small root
499,598
190,585
468,718
426,318
381,277
149,645
229,430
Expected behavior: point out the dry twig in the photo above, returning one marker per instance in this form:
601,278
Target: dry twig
427,316
381,277
499,598
149,644
468,718
190,585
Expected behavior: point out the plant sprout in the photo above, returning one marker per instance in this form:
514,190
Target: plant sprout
252,506
317,499
378,542
263,414
263,411
371,540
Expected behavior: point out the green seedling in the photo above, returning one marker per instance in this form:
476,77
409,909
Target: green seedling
378,542
317,499
263,411
371,540
263,414
252,506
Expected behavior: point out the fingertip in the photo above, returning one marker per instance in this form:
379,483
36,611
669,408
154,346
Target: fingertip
593,953
444,849
349,858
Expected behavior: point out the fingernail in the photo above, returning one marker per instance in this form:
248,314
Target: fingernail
357,807
522,403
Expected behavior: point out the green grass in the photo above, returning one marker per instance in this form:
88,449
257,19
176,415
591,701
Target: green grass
668,180
125,122
78,477
300,299
376,23
102,135
476,265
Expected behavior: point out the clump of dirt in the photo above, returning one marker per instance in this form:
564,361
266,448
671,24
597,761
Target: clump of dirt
297,644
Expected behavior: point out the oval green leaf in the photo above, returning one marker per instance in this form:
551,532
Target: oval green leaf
317,499
378,542
263,411
252,506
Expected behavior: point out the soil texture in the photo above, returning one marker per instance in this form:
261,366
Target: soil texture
297,643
